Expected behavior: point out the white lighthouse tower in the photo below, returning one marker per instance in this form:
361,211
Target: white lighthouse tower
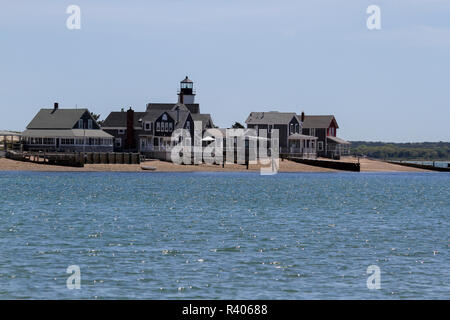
186,94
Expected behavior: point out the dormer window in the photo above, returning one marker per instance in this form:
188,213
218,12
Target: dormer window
89,123
188,125
80,124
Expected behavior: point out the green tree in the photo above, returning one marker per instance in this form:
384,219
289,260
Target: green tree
237,125
96,117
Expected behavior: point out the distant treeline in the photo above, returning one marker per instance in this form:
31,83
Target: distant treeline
405,151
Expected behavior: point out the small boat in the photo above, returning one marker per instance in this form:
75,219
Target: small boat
148,168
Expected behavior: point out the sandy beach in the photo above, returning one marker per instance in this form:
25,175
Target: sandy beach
367,165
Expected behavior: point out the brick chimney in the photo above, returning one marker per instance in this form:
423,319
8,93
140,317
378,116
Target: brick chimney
129,142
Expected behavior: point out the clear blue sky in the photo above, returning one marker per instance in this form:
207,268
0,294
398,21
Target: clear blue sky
314,56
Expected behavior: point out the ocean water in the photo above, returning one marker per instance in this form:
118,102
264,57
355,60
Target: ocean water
224,235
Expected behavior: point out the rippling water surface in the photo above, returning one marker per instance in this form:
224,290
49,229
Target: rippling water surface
224,235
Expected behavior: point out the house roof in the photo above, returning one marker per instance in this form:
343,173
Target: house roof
192,107
56,119
337,140
203,117
160,106
272,117
318,121
9,133
182,117
73,133
119,119
187,80
298,136
152,115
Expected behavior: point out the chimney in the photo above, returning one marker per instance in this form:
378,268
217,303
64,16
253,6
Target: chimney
181,97
55,107
129,142
303,116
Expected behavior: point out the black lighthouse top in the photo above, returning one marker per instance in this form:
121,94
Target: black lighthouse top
187,86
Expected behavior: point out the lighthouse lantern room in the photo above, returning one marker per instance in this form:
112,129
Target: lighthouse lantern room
186,94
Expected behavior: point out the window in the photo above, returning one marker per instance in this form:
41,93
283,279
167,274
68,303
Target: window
118,142
49,141
312,132
170,126
121,131
320,145
158,126
147,126
186,85
67,141
296,128
188,125
164,117
166,129
291,129
80,124
89,123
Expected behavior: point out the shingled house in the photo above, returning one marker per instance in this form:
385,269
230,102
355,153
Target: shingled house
324,127
151,131
65,130
291,139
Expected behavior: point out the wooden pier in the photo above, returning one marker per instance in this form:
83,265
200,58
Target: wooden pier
338,165
420,166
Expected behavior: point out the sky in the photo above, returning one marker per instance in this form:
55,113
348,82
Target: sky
315,56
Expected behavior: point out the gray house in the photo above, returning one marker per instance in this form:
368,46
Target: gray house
291,139
151,131
324,127
65,130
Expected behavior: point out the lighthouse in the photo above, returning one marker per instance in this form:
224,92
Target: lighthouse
186,94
